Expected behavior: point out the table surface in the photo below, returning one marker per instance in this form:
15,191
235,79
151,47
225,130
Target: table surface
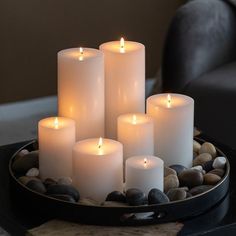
216,221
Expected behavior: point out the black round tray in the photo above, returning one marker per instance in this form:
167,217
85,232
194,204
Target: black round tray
35,203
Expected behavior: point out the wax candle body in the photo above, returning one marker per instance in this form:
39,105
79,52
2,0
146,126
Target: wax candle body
124,82
97,169
135,132
173,122
144,173
81,90
56,138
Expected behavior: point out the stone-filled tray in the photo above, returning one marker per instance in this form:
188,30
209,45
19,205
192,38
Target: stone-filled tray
32,202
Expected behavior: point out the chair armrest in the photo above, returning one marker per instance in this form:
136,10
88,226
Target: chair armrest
201,37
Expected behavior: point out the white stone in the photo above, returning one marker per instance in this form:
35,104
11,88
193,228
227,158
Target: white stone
65,180
33,172
197,168
219,163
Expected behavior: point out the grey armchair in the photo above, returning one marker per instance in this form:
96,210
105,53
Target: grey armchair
199,59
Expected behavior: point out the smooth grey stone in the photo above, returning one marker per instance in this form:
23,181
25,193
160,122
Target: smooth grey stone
191,178
36,185
88,202
219,163
211,179
170,181
63,197
176,194
116,196
33,172
169,171
22,164
49,181
207,166
201,159
114,204
208,148
135,197
63,189
25,179
65,180
219,172
156,196
200,189
178,168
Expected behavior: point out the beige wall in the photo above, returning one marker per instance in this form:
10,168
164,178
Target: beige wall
33,31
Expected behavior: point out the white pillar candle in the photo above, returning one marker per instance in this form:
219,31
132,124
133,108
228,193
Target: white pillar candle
56,136
135,132
98,167
144,173
173,122
81,90
124,81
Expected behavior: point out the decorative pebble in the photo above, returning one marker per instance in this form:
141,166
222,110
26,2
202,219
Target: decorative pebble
197,168
49,181
191,178
207,166
200,189
175,194
208,148
116,196
219,163
22,164
201,159
169,171
21,153
219,172
114,204
63,197
196,146
33,172
156,196
188,194
65,180
25,179
135,197
178,168
88,202
170,181
36,185
211,179
63,189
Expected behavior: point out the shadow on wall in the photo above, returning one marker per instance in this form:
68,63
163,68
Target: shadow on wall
32,32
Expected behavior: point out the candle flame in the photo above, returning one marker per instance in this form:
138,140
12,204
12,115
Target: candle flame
56,123
81,53
122,45
134,121
145,162
168,100
100,142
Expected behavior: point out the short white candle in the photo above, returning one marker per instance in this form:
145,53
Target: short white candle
135,132
124,81
81,90
173,116
56,136
144,173
98,167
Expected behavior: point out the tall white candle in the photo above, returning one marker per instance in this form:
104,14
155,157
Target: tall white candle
173,115
81,90
125,81
135,132
144,173
56,136
98,167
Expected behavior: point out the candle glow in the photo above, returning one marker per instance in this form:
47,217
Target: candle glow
168,100
122,45
134,120
81,53
56,123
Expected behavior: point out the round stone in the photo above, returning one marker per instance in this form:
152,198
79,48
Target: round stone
176,194
63,197
201,159
135,197
178,168
23,163
36,185
219,163
197,168
25,179
63,189
191,178
219,172
195,155
169,171
196,146
65,180
49,181
200,189
207,166
21,153
116,196
33,172
156,196
170,181
208,148
211,179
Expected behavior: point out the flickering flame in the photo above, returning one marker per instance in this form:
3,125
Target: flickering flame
56,123
122,45
81,53
168,100
134,120
100,143
145,162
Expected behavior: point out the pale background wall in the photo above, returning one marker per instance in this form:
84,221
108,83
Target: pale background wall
32,31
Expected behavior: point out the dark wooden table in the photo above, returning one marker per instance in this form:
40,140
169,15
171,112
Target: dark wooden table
219,220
